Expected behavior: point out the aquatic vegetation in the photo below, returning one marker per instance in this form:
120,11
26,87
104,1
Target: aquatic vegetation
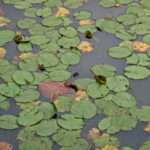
53,105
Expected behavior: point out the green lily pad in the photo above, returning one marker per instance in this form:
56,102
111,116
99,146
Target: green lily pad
145,146
83,83
59,75
46,128
6,36
48,60
28,95
29,64
63,104
117,83
39,39
25,47
97,91
26,23
36,144
68,42
9,90
115,124
66,138
22,77
137,72
83,109
143,113
47,109
69,32
30,117
124,99
120,52
82,15
70,58
103,70
69,122
8,122
51,21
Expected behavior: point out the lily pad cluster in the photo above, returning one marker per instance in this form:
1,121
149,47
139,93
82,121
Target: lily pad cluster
53,110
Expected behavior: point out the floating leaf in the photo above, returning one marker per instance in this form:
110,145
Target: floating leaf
81,15
6,36
48,60
66,138
63,103
51,21
47,109
36,143
145,146
97,91
2,52
68,32
124,99
115,124
30,117
143,113
22,77
117,83
137,72
59,75
46,128
120,52
70,122
70,58
103,70
28,95
8,122
83,109
10,89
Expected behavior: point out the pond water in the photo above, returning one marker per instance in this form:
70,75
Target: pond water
102,41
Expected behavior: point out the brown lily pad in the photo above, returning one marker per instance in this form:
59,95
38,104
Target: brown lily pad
5,146
52,90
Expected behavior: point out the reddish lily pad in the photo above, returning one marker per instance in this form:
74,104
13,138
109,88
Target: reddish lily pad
52,90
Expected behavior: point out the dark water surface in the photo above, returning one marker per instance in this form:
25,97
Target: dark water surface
101,41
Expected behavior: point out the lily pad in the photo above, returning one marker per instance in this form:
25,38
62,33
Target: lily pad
22,77
6,36
83,109
124,99
120,52
8,122
28,95
103,70
97,91
70,122
117,83
70,58
59,75
137,72
46,128
30,117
